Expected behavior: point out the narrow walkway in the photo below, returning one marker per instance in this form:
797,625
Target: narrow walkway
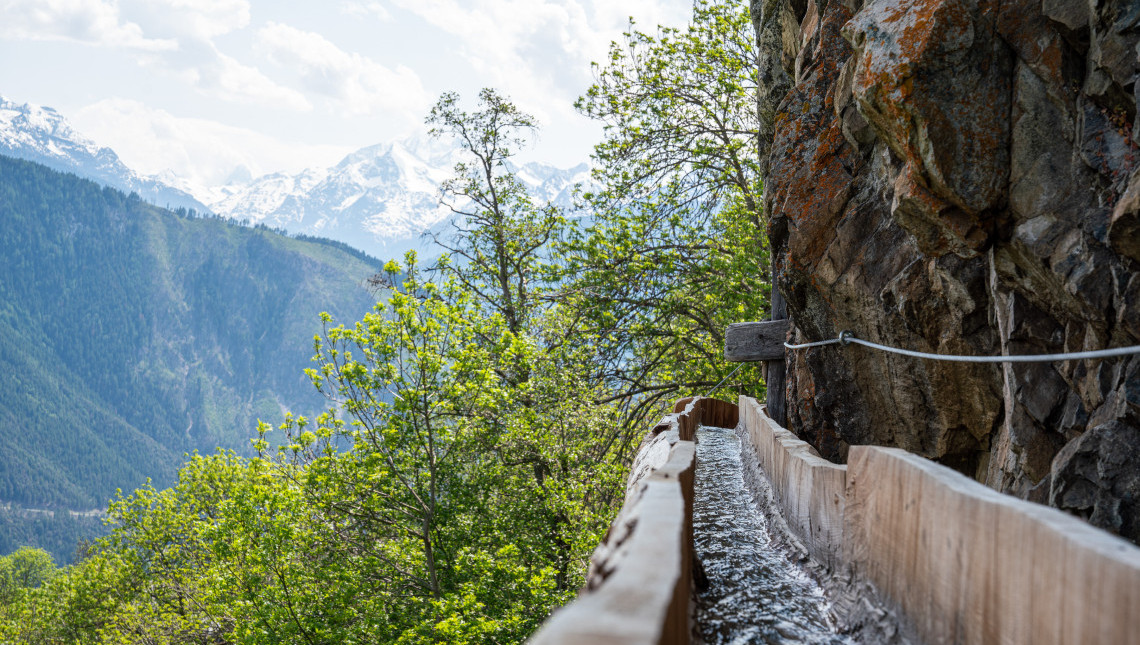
755,594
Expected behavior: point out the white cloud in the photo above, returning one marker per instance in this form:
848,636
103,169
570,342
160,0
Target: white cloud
356,84
201,19
373,8
224,77
195,25
203,152
185,48
535,51
93,22
539,51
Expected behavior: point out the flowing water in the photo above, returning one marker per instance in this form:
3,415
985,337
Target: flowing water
755,594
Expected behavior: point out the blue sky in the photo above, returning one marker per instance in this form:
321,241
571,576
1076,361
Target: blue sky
203,87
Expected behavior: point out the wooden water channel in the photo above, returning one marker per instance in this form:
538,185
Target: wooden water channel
959,562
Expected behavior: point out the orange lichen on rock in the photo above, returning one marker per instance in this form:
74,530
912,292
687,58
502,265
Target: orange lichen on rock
933,81
961,176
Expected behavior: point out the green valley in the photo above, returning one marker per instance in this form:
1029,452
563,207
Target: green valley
131,335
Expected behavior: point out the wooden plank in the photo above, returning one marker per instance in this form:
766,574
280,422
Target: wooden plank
755,341
639,590
970,565
775,372
810,491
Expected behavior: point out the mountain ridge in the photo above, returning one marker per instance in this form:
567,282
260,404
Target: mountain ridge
381,199
42,135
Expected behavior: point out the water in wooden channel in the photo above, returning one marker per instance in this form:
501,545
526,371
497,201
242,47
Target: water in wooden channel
755,594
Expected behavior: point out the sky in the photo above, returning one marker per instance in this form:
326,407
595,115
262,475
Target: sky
211,89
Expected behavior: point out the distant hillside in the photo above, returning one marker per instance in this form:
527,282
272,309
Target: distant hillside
130,335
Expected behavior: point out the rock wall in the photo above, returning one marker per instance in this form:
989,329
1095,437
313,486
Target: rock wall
962,176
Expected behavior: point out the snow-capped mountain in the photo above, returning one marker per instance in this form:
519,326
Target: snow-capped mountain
380,199
42,135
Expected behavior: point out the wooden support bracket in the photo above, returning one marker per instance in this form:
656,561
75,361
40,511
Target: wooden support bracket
755,341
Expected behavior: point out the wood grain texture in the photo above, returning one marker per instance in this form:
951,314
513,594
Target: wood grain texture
970,565
755,341
696,411
810,491
640,587
635,602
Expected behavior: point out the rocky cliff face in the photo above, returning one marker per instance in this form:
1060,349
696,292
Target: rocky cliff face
962,176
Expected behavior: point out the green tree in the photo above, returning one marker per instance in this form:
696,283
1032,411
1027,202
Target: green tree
72,607
506,253
23,570
676,250
467,500
501,236
406,378
230,554
680,118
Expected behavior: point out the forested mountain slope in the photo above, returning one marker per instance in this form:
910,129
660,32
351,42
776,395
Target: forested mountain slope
130,335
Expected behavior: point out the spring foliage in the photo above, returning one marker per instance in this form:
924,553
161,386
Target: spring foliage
481,418
676,247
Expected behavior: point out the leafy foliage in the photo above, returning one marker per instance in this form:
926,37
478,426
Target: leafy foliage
424,515
501,234
23,570
680,116
677,248
480,419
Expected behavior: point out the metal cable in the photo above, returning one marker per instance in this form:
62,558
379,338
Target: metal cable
820,343
846,337
717,386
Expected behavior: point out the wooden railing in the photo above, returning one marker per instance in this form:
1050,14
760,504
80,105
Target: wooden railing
639,590
963,563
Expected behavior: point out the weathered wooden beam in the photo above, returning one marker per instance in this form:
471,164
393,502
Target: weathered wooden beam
755,341
775,372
